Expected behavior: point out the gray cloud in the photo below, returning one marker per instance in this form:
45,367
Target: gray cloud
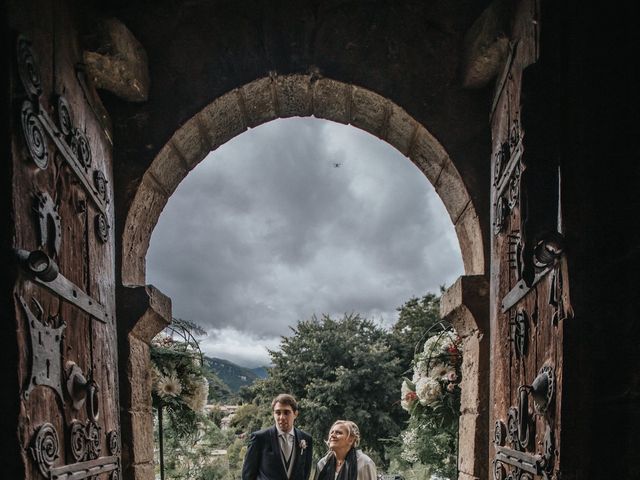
267,231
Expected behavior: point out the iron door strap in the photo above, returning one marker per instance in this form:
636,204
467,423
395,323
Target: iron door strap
44,271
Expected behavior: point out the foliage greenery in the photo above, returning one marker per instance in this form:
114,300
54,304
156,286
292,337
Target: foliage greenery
337,368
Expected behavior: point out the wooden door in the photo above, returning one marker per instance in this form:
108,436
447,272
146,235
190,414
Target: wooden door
63,295
529,279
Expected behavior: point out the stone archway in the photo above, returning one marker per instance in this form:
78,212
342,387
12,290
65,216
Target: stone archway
285,96
263,100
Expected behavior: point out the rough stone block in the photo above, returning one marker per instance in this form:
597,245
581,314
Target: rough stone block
367,110
192,141
452,191
258,101
465,304
293,96
427,154
223,119
332,100
471,374
401,129
124,70
139,375
141,437
473,437
141,219
168,168
486,45
471,243
149,311
466,476
143,471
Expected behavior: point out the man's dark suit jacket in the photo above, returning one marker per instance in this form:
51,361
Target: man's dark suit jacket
263,460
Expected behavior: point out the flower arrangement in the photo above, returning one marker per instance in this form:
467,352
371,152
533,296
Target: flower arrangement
302,445
179,385
432,398
436,374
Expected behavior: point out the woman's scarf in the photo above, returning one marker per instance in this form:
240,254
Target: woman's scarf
349,470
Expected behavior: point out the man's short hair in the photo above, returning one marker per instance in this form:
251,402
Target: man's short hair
285,399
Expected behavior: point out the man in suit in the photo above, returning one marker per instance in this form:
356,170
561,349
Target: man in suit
280,452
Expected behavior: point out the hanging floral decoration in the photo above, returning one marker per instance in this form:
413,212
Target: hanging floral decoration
179,385
432,398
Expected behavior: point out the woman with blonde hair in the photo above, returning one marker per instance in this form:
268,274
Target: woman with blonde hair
344,461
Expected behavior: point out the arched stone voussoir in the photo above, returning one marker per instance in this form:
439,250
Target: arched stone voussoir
280,96
142,217
332,100
294,97
259,101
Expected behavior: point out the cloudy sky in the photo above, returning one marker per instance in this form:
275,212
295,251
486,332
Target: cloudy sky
294,218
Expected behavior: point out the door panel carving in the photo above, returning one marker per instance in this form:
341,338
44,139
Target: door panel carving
528,275
64,292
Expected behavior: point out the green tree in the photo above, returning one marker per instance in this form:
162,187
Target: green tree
416,317
338,369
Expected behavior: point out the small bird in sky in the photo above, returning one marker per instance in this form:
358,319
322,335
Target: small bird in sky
337,165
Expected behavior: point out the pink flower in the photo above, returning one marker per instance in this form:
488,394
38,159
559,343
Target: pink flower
452,376
451,387
411,396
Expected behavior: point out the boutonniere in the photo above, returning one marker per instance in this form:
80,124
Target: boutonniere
302,445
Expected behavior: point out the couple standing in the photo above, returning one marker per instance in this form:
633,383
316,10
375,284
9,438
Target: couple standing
283,452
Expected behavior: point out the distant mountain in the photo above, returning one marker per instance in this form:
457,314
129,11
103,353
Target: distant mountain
260,371
234,376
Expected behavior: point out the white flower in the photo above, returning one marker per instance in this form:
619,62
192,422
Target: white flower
428,391
409,440
198,399
440,371
408,396
302,444
440,343
168,386
422,368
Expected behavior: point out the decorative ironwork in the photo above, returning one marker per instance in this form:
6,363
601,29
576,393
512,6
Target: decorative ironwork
548,249
65,116
499,472
93,406
87,469
102,228
499,433
513,190
100,181
28,67
525,465
500,216
78,160
543,389
93,440
513,425
34,135
39,264
45,448
520,289
514,134
113,442
80,148
77,385
48,215
78,440
115,475
520,332
514,253
501,158
46,351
